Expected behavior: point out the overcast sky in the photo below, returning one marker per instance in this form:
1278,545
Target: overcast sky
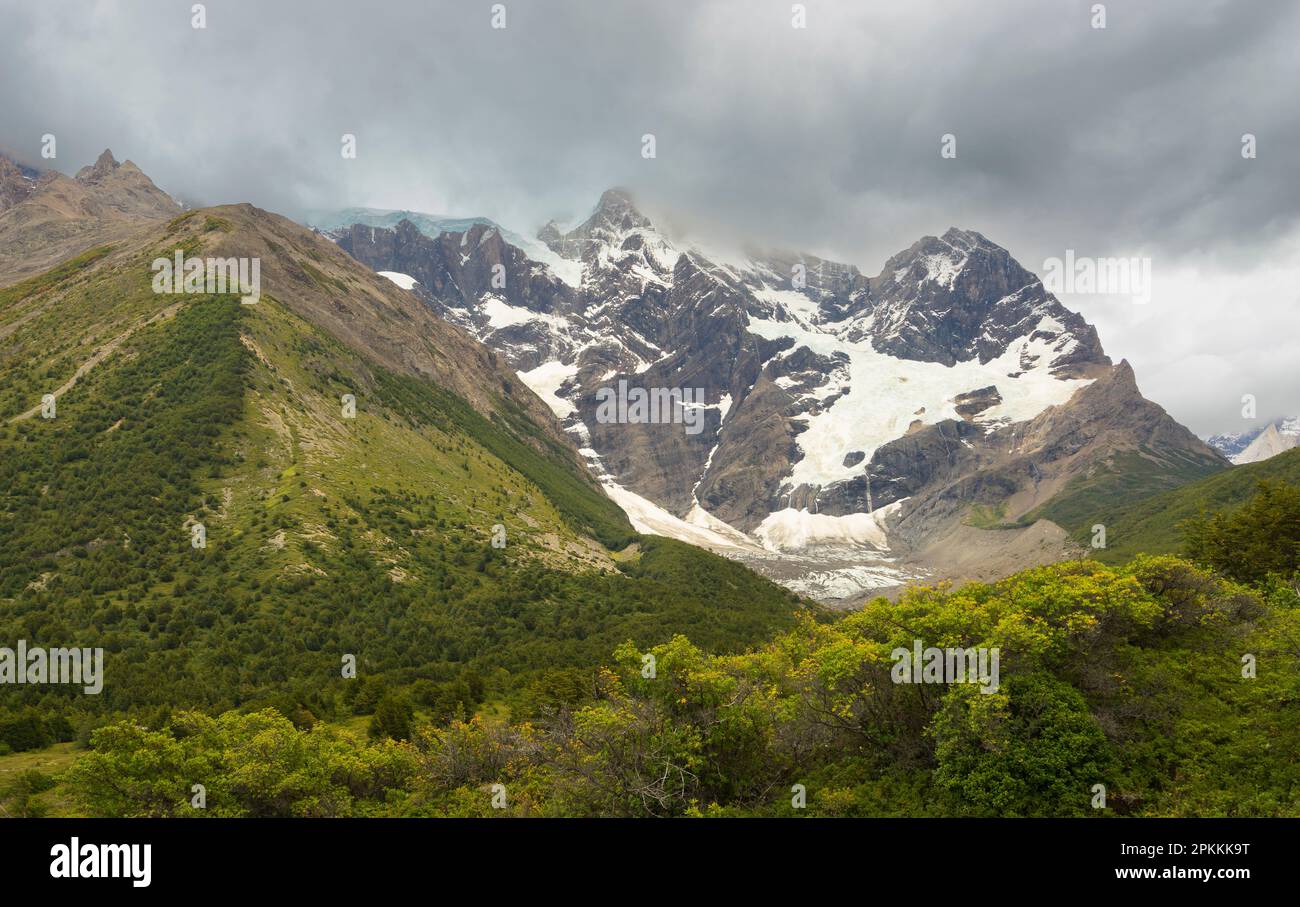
1122,141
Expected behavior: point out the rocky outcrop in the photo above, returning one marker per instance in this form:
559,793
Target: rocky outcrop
61,216
16,183
972,403
104,167
1021,468
958,297
1250,447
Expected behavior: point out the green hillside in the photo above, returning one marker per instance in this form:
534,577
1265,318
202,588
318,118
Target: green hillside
1152,524
326,535
1119,485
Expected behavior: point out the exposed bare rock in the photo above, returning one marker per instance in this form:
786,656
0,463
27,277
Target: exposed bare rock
1021,468
972,403
315,279
63,216
16,183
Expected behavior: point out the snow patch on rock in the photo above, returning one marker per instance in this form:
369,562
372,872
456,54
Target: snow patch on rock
546,380
792,530
405,281
885,394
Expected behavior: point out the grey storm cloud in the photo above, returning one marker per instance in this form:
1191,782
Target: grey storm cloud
1117,141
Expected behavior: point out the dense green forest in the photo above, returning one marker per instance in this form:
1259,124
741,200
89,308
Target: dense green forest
1131,678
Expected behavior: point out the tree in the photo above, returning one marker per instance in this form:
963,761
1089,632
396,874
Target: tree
392,717
1254,541
1032,749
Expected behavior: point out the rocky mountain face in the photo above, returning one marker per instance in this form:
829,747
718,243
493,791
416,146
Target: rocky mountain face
48,219
816,409
452,266
1232,443
16,183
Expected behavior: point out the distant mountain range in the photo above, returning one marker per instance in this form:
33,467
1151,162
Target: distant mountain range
947,417
392,497
1260,442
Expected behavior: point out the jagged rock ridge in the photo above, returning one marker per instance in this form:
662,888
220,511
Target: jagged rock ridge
54,217
838,409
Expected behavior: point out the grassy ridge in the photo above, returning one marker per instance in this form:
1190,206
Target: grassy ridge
1116,487
33,285
1152,524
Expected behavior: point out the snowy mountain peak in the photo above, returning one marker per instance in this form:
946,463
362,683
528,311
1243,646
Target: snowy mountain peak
1259,443
942,259
968,240
1269,443
616,237
825,399
617,210
1232,443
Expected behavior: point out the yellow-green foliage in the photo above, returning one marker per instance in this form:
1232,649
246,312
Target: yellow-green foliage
1129,678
